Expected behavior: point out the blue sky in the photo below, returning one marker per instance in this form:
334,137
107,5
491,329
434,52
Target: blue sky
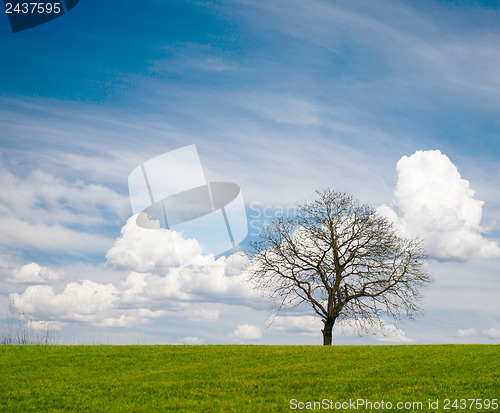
281,97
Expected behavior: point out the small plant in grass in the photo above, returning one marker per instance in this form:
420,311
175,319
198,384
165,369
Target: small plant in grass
19,331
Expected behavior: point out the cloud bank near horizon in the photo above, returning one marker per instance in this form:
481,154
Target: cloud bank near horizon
153,286
144,282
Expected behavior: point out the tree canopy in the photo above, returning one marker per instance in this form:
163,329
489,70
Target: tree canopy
342,259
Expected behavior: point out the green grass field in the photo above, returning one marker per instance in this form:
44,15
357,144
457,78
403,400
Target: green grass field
243,378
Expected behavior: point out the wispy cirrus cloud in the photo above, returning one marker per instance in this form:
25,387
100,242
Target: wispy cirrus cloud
42,211
187,56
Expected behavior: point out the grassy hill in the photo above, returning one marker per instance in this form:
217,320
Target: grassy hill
247,378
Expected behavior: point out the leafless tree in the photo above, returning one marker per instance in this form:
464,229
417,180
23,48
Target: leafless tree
343,259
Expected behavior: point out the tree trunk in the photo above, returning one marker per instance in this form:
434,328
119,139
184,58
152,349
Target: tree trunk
327,331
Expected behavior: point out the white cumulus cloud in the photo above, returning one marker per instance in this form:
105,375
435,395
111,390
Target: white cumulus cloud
130,318
492,333
389,333
83,301
236,263
467,332
191,340
434,202
307,325
144,249
204,314
154,257
34,274
247,332
45,325
203,280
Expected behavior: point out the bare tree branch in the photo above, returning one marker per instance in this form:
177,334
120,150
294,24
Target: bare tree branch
342,259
